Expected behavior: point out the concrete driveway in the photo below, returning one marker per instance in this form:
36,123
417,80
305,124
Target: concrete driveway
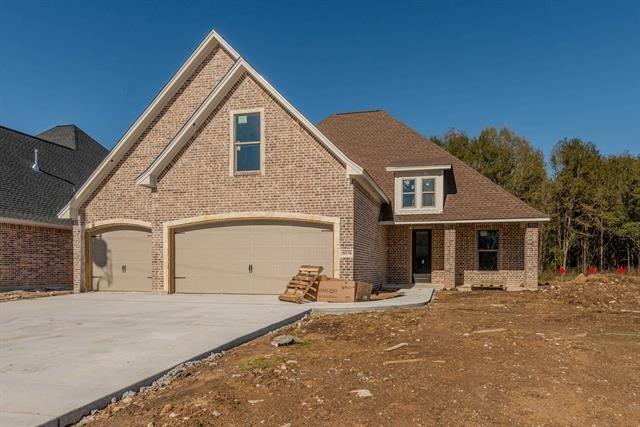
61,356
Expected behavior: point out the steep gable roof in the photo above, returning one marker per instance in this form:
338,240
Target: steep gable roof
377,141
212,41
239,67
148,177
27,196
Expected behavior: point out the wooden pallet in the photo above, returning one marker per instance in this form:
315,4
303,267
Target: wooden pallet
304,285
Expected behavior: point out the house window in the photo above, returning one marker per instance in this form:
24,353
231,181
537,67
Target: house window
408,193
428,192
488,250
247,137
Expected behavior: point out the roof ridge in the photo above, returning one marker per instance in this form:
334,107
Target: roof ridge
344,113
34,137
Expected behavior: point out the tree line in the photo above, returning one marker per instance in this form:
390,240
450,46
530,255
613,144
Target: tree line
593,200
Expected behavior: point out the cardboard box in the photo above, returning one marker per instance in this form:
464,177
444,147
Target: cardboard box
334,290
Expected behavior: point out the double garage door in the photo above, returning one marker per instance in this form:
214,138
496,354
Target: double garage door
244,257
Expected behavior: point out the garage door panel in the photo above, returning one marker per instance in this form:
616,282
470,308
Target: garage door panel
121,260
216,259
213,259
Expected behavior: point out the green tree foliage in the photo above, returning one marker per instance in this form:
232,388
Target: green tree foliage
593,200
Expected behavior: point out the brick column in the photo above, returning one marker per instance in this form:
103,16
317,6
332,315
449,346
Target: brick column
449,276
531,256
157,258
78,254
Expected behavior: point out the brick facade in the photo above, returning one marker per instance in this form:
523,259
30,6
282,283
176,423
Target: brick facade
369,241
32,256
300,176
455,257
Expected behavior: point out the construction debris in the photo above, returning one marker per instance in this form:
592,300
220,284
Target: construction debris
363,392
282,340
397,346
384,295
304,285
489,331
308,284
401,361
334,290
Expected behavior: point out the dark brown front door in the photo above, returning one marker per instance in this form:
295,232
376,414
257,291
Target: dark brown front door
421,255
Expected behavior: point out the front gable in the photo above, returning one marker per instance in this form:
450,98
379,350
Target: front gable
298,173
155,126
169,123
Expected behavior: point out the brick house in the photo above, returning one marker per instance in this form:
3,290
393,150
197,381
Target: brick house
35,245
222,186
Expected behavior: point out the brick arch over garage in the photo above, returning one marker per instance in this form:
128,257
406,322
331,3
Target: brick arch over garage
90,229
170,227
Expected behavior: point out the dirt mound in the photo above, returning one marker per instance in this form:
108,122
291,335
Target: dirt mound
598,291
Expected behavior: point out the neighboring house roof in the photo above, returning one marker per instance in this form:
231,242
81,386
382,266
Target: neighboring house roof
66,155
376,140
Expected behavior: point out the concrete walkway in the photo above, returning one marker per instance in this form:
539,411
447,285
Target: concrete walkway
62,356
415,297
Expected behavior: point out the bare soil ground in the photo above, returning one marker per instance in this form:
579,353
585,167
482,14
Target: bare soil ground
566,355
18,295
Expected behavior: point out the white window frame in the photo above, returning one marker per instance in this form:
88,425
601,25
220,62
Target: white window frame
438,179
232,144
415,195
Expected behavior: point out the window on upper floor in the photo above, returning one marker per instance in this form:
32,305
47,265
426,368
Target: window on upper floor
247,135
428,192
408,193
417,194
488,244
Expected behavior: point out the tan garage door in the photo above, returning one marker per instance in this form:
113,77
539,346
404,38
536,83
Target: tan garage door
121,260
248,257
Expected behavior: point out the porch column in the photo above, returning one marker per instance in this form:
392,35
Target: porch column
449,277
531,256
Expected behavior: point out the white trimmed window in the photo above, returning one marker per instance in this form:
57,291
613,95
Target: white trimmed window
247,142
417,194
409,193
428,192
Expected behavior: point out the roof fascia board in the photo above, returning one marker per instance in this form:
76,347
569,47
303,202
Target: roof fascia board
465,221
417,168
212,40
17,221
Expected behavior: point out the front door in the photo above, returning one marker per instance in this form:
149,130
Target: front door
421,250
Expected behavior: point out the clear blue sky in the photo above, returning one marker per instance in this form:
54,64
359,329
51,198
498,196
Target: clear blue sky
546,69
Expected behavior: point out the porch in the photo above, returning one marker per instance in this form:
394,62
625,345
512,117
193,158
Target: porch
462,256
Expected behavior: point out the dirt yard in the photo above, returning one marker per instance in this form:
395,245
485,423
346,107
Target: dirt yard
566,355
18,295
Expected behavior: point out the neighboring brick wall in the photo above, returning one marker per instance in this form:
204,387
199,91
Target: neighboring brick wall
35,256
511,255
369,241
300,175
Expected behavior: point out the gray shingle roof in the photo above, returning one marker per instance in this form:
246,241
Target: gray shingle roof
64,151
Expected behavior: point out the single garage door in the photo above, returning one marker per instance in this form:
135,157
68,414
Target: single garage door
121,260
248,257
